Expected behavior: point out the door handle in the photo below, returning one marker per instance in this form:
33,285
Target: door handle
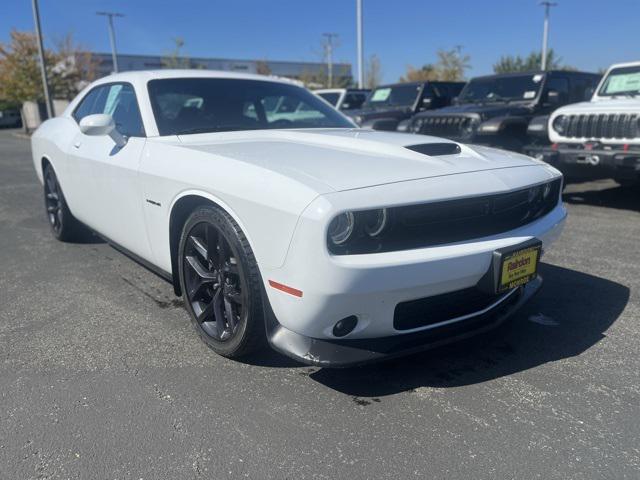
77,144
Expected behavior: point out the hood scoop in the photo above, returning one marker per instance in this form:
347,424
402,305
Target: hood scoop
436,149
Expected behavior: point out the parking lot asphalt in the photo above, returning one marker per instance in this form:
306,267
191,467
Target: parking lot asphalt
102,375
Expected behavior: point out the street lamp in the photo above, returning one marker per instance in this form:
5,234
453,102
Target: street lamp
112,36
545,34
360,44
43,66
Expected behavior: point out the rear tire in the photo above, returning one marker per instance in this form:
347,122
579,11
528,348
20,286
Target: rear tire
64,225
221,283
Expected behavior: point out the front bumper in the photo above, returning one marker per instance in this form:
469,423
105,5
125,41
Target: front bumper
352,352
580,163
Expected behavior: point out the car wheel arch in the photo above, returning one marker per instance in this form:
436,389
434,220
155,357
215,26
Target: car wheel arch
181,208
44,161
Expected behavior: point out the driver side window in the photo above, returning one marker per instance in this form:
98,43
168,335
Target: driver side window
117,100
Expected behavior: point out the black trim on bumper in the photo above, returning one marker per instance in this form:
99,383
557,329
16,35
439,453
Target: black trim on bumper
346,353
578,163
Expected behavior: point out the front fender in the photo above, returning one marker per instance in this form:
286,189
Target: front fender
384,124
498,125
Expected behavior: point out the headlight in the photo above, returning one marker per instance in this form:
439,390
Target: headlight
349,227
559,124
341,228
375,221
469,128
404,126
358,119
416,126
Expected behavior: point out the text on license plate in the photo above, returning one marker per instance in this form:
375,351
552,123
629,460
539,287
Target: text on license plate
518,268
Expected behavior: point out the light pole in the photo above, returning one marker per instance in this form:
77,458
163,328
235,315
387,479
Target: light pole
43,66
545,33
328,46
360,44
112,36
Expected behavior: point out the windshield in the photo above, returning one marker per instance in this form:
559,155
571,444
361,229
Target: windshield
394,96
621,81
197,105
494,89
332,97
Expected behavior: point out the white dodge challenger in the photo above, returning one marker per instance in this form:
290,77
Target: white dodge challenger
276,218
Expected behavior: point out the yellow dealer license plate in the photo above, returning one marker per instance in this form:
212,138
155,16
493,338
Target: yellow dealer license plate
519,267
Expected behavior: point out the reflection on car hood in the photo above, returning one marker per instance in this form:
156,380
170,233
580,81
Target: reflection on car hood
484,110
346,159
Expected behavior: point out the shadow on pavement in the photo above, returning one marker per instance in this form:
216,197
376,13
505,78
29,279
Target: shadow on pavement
622,198
569,315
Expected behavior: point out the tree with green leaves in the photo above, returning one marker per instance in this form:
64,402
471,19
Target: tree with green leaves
451,66
69,68
262,68
530,63
175,58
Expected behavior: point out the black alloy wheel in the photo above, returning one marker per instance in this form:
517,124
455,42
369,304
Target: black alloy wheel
53,201
219,280
63,224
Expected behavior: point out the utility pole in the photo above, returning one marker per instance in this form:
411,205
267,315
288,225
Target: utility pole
43,66
328,49
112,36
360,44
545,34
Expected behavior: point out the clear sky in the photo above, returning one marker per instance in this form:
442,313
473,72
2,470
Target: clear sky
588,34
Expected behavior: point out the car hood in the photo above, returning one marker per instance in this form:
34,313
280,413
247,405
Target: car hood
346,159
485,111
601,106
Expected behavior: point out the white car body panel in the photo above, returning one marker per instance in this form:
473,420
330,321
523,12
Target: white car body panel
283,187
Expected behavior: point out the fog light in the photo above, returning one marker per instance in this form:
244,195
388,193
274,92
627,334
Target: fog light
345,326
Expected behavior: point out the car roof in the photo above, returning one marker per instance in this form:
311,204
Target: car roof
534,72
146,75
625,64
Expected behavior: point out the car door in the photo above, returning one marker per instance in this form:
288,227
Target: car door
112,188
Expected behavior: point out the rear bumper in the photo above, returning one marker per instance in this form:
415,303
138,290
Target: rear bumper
581,163
352,352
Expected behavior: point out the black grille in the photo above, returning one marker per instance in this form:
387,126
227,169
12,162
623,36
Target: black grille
442,126
440,308
614,125
437,223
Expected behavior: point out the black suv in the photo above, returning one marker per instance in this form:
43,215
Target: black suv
496,110
389,105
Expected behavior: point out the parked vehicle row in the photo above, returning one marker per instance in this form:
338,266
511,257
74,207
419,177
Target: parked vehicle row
599,138
542,114
493,110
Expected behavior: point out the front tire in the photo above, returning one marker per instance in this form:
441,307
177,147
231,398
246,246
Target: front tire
64,225
220,283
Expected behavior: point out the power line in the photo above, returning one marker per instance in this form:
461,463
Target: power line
112,36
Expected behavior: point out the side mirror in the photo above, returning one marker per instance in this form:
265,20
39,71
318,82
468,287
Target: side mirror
345,106
102,124
553,97
426,103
